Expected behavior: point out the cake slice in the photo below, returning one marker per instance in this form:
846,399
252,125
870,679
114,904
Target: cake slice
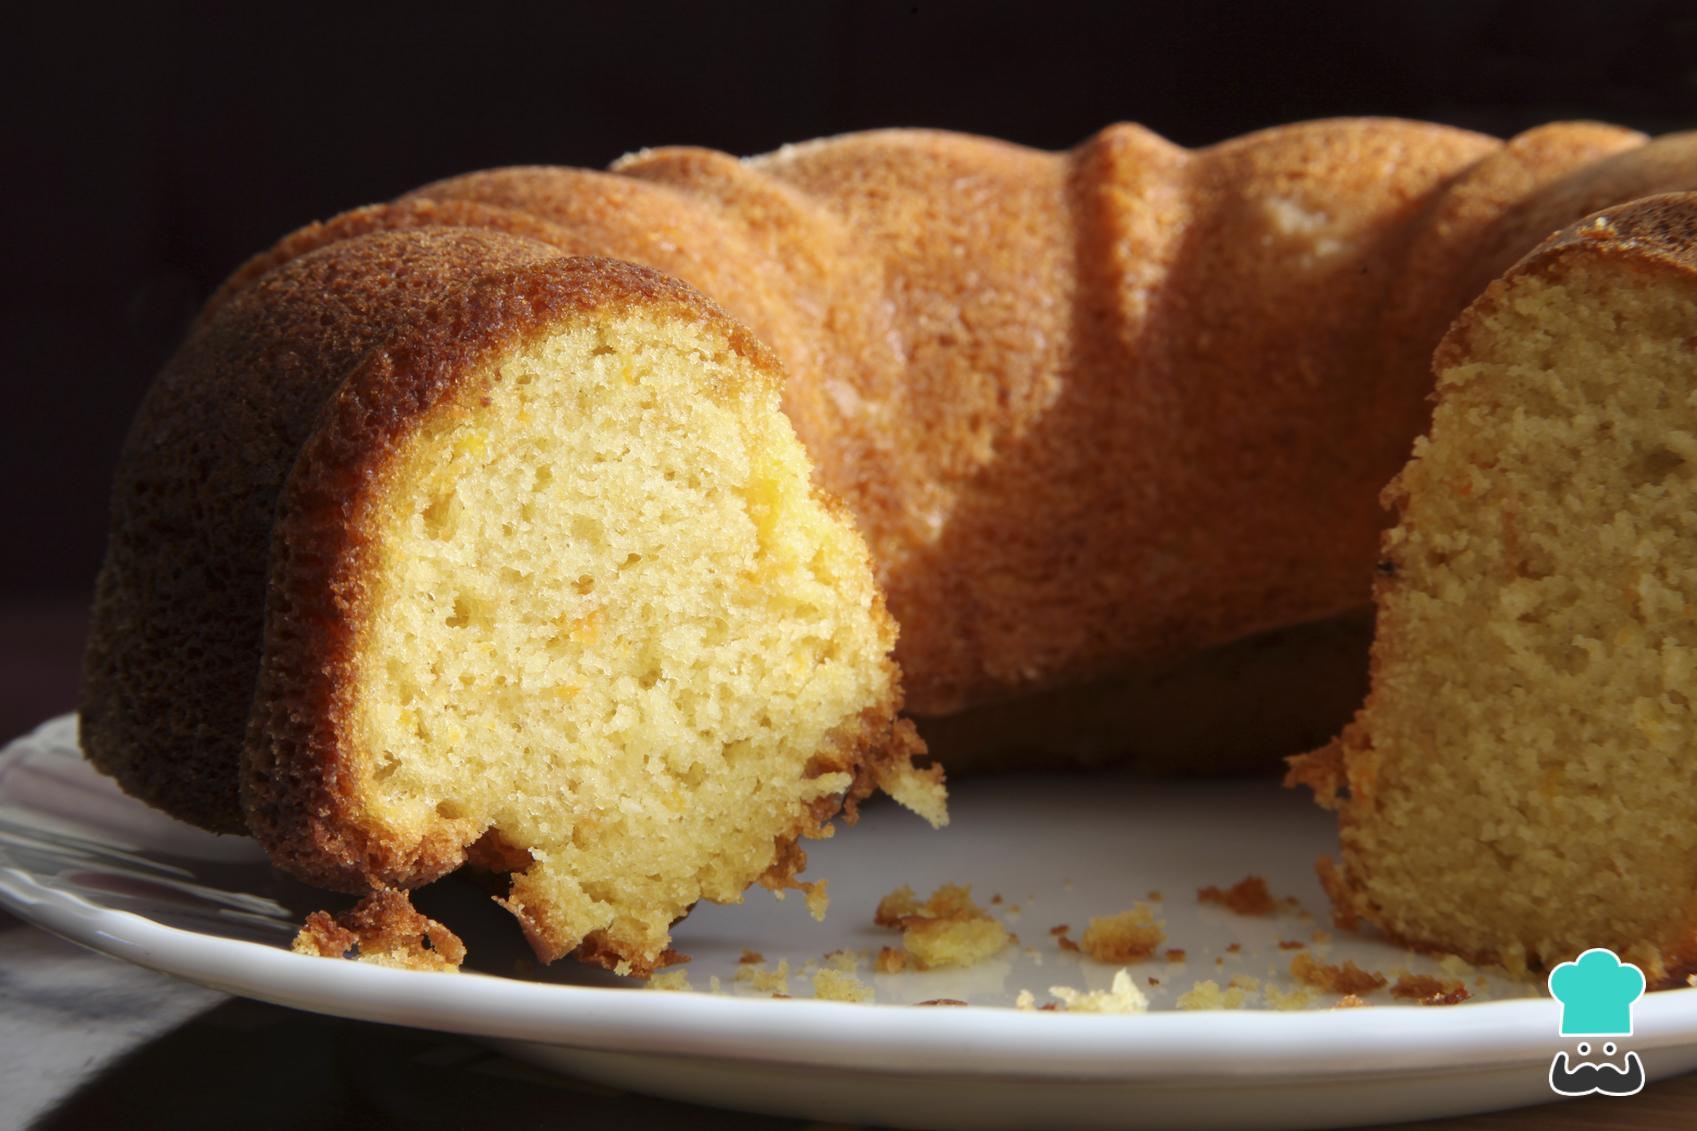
544,577
1521,784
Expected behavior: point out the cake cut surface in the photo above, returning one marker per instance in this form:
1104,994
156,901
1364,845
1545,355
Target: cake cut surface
612,625
1519,786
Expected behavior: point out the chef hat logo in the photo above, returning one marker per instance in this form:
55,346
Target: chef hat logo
1596,991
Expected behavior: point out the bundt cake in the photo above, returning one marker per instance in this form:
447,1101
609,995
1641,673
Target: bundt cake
1519,786
439,538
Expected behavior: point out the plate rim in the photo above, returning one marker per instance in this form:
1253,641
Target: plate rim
1171,1046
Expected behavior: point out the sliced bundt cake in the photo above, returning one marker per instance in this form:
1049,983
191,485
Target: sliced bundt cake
1521,785
497,548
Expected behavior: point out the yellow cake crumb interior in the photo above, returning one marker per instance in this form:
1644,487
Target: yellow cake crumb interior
614,624
1530,783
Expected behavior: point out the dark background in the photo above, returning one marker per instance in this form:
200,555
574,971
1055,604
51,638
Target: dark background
148,156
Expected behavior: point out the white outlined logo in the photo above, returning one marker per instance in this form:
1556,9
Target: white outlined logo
1596,991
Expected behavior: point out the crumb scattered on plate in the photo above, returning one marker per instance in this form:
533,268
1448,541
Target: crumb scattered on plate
946,929
382,929
1128,936
757,977
835,985
1207,994
846,961
1298,998
1346,978
1122,996
674,981
1427,990
1249,896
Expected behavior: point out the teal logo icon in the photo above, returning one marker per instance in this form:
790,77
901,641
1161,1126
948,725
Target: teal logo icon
1596,991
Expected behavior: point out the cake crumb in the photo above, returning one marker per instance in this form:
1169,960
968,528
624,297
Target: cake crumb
1349,1001
1244,982
1060,929
1298,998
382,929
1154,896
1292,944
1207,994
1025,1000
846,961
1427,990
816,899
1249,896
835,985
895,906
672,981
1122,996
1347,978
1175,954
751,958
775,981
916,789
948,901
1152,980
1321,938
1128,936
890,961
1234,948
941,1001
714,986
931,943
946,929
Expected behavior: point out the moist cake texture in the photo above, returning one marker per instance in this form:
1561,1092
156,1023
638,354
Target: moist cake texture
1519,786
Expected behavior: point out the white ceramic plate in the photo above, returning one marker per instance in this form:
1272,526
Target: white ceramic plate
79,858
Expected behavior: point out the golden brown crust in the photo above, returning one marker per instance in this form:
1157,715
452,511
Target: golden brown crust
1654,233
174,642
396,216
